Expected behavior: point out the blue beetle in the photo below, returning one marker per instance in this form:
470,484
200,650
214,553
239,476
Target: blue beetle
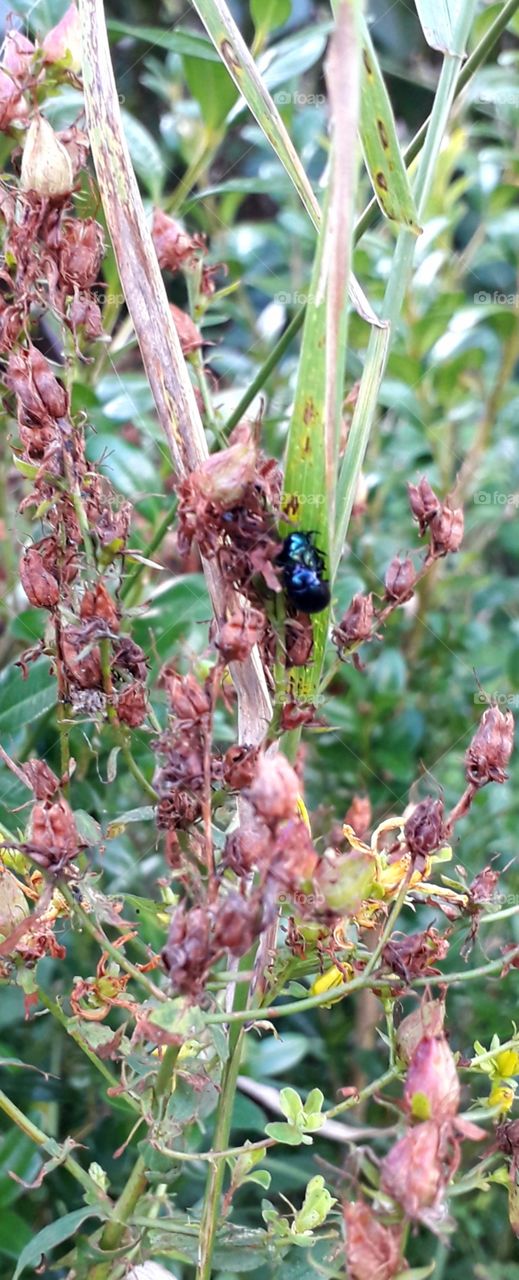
303,567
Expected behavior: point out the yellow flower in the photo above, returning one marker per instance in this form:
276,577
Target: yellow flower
507,1062
502,1096
327,981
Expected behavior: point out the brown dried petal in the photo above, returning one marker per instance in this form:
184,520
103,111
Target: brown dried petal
446,529
400,580
491,747
97,603
132,705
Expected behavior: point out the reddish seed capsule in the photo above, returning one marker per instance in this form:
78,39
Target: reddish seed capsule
39,584
400,580
373,1251
412,1172
432,1087
491,747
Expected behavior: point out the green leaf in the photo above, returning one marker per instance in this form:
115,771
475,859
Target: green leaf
23,701
291,1104
14,1233
269,14
55,1234
439,23
382,153
176,40
211,86
314,1102
286,1133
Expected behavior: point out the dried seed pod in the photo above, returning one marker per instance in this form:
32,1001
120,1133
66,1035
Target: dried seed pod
246,848
82,658
275,790
189,334
53,833
81,249
46,164
187,699
424,829
237,922
356,624
427,1020
239,766
40,585
41,778
189,950
400,580
373,1251
423,503
359,816
491,747
97,603
432,1087
237,636
412,1170
446,528
132,705
175,249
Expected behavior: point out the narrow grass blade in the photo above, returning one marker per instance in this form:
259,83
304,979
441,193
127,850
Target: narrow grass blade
233,51
310,470
438,23
382,154
366,407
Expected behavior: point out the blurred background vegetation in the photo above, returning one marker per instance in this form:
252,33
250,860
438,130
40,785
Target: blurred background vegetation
450,406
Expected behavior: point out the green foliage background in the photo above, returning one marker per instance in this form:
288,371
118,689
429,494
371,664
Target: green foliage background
450,410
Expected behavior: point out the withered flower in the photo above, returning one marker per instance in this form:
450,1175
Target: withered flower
189,334
97,603
132,705
373,1251
275,790
38,392
356,624
424,829
237,636
491,747
414,954
400,580
175,248
412,1171
40,585
53,834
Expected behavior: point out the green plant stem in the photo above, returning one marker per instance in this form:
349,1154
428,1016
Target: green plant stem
357,984
388,927
137,1182
197,167
372,213
366,1092
215,1177
122,1211
160,532
52,1147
